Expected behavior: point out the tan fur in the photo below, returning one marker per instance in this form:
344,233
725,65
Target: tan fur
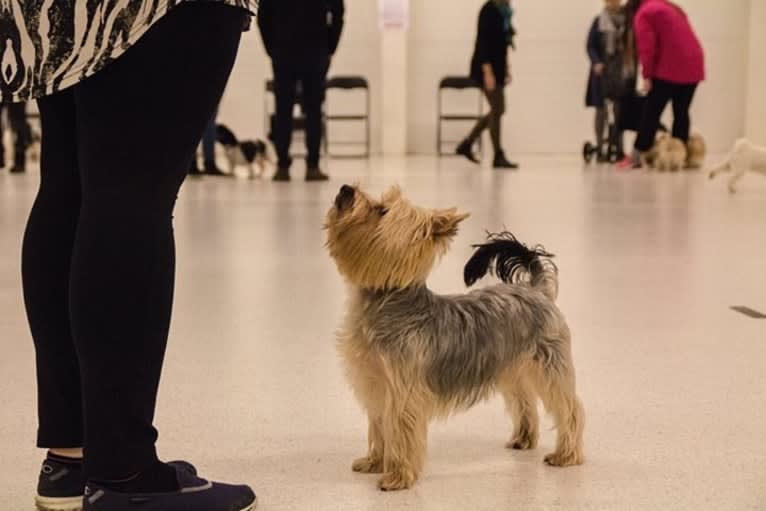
670,153
390,244
697,151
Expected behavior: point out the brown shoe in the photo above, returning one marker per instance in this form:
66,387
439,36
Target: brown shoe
283,174
314,174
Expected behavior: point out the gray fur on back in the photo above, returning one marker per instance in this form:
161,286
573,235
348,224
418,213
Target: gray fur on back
463,342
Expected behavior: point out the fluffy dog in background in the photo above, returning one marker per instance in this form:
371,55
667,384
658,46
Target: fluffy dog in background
250,153
412,355
745,157
697,149
669,153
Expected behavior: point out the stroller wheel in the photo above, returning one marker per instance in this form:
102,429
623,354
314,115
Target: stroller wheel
588,151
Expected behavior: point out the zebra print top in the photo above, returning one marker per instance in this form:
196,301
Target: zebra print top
48,45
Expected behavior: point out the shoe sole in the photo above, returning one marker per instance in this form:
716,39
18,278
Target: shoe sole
252,506
58,504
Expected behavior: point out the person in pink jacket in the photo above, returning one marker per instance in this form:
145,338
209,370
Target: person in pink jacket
673,63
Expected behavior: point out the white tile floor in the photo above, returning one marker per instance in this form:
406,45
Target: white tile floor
674,383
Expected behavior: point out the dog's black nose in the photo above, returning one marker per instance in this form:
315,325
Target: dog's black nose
345,197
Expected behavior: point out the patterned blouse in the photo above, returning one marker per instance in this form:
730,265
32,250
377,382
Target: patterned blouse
49,45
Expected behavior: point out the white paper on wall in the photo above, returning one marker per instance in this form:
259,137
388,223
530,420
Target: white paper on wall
394,14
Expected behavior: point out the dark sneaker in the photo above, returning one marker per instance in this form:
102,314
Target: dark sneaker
61,486
314,174
282,174
18,169
466,149
501,162
195,494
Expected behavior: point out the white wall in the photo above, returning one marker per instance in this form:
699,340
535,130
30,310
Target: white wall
359,53
756,100
546,111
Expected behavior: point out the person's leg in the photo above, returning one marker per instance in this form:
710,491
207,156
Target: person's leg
46,257
496,100
682,102
285,83
656,102
600,127
122,267
314,80
17,117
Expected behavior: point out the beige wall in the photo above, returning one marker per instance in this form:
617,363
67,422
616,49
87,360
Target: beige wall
755,122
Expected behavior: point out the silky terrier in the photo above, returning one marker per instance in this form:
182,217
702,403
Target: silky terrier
412,355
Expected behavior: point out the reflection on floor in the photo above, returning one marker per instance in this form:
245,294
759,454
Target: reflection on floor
673,380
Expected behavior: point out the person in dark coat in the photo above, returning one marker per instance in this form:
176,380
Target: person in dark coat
300,36
490,69
608,77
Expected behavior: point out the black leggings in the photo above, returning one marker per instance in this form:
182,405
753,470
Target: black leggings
98,259
662,92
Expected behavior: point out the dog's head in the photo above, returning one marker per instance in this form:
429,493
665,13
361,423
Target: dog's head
386,243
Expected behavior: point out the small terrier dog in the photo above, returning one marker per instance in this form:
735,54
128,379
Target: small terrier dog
412,355
249,153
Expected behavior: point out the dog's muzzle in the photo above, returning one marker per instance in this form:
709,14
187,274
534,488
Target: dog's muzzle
345,197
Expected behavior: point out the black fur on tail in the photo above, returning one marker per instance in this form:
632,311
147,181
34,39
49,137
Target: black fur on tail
508,259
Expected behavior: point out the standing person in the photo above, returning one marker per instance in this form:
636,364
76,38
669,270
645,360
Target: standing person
673,63
22,136
300,36
608,77
491,70
98,259
210,167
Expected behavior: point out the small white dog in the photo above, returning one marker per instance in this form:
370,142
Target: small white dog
745,157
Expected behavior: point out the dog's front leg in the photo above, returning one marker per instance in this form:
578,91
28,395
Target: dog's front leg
404,436
738,175
373,462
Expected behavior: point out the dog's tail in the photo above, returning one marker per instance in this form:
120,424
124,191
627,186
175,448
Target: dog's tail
513,262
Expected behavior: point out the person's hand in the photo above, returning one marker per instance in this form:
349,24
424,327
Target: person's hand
646,88
490,83
598,69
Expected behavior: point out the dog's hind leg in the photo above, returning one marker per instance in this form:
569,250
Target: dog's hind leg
373,462
521,403
405,431
556,385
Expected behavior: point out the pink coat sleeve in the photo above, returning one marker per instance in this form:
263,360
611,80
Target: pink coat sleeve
646,42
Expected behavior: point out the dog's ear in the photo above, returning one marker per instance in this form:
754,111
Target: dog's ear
391,194
445,222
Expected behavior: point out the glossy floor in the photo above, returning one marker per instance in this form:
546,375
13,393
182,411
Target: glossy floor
674,382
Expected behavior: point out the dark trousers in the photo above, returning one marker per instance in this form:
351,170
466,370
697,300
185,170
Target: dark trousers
99,258
312,77
663,92
22,134
491,121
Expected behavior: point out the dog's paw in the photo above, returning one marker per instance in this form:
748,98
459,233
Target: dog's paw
522,442
367,465
557,459
395,481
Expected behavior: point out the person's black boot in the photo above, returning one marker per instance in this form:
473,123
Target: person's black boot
194,170
466,149
211,169
18,169
314,174
282,174
500,162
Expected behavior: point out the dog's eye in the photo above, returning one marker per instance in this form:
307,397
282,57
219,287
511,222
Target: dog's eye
382,210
